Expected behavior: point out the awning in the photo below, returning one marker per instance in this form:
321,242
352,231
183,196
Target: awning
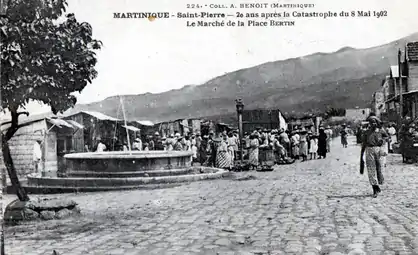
145,123
75,123
132,128
59,123
100,116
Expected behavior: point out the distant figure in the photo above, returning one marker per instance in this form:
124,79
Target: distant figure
303,144
279,150
146,147
100,147
151,144
37,156
125,147
344,135
204,151
223,156
392,135
178,146
313,148
295,144
232,144
212,144
322,143
254,151
329,133
284,140
158,142
137,145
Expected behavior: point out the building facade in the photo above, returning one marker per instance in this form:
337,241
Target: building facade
378,101
50,131
409,89
357,114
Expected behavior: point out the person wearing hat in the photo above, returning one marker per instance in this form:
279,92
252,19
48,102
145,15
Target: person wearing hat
295,144
178,146
284,140
344,135
372,152
329,133
137,145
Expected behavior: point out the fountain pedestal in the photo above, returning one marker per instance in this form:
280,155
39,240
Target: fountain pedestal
123,170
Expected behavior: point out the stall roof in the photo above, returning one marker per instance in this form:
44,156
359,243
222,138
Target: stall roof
54,121
59,123
75,123
132,128
145,123
100,116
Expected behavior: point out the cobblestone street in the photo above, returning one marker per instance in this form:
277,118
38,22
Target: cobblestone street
315,207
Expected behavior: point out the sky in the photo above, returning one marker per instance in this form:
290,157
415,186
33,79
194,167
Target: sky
141,56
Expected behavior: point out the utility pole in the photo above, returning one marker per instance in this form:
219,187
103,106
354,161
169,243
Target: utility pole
400,85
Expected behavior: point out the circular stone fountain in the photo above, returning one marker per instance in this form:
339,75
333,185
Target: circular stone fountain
94,171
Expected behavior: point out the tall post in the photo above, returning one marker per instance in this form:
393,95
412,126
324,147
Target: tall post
126,125
400,85
240,109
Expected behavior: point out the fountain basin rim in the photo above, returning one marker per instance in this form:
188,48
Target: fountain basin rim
219,172
129,155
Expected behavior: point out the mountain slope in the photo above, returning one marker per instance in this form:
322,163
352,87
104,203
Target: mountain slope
345,78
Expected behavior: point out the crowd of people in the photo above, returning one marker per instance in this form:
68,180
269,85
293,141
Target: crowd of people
222,149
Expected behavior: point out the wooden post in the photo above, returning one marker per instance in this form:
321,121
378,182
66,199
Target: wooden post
126,125
400,85
240,108
44,150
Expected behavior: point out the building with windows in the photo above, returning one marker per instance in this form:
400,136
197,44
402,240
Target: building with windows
408,78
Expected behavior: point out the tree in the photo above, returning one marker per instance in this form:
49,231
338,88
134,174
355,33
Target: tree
337,112
45,57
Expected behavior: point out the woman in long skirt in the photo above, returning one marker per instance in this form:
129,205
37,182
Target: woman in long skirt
303,145
372,151
295,145
253,157
322,143
222,155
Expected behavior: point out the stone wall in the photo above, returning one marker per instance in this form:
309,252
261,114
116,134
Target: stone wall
21,148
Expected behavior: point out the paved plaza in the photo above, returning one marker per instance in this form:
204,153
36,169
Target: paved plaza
316,207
